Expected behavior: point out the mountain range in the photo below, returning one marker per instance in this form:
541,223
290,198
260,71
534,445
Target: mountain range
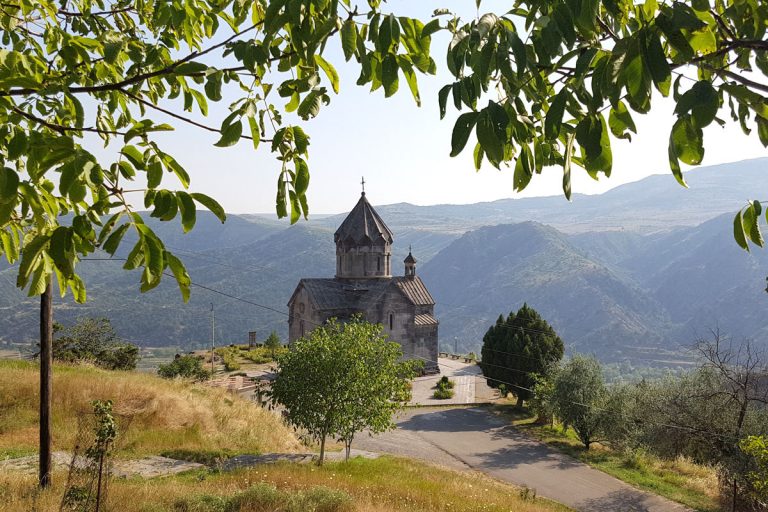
634,274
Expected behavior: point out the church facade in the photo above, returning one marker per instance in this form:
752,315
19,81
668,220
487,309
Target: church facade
364,285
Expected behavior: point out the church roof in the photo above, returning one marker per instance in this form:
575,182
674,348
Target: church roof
363,225
414,289
409,258
425,319
335,294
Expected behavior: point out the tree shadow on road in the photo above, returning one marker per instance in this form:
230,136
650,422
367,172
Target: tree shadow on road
452,420
617,501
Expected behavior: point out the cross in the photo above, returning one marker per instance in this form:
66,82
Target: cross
363,184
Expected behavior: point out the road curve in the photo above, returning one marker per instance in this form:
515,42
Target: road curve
474,438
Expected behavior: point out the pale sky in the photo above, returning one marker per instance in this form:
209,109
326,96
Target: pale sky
403,151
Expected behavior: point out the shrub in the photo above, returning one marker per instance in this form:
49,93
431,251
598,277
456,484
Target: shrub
94,340
445,382
185,367
210,458
442,393
264,497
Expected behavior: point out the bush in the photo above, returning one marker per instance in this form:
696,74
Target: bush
185,367
262,355
445,382
94,340
264,497
442,393
443,388
211,458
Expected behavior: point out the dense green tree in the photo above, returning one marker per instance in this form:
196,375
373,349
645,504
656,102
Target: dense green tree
518,349
185,367
95,341
343,379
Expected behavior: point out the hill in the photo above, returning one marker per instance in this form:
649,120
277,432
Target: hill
640,269
493,270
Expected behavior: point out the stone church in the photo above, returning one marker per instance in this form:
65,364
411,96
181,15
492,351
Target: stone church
364,284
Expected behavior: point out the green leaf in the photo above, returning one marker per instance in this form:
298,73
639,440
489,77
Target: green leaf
518,50
113,241
567,158
133,155
349,38
190,68
702,101
592,136
18,145
389,70
301,183
230,134
442,98
656,61
620,121
523,168
211,204
751,223
187,209
738,232
29,258
330,72
478,156
255,134
61,250
687,140
9,185
410,78
461,131
555,115
181,275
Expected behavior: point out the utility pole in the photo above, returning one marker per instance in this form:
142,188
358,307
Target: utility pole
46,361
456,345
213,337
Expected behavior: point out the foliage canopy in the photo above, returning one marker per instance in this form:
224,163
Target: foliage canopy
343,379
94,340
518,349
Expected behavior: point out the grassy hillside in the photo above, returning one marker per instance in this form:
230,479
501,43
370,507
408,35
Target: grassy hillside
164,415
382,485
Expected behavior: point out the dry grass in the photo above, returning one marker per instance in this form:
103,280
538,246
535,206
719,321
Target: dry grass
382,485
163,414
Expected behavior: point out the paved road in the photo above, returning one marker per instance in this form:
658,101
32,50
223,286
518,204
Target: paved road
469,385
475,438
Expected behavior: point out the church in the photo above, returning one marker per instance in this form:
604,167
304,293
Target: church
364,284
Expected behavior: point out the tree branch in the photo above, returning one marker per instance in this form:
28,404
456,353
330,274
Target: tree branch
61,128
180,117
98,13
136,78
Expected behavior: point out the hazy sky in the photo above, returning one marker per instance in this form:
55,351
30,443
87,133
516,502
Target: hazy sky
403,151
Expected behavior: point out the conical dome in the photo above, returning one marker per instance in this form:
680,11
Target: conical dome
363,226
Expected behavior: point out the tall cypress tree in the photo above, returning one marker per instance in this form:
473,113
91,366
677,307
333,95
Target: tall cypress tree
519,347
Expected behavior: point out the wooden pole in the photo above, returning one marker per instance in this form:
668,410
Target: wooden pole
46,361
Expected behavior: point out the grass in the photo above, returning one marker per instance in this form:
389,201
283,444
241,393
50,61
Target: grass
385,484
160,415
678,479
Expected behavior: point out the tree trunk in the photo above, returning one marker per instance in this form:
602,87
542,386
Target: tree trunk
46,361
322,451
347,448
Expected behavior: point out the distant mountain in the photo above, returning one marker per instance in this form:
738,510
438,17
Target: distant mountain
494,270
634,273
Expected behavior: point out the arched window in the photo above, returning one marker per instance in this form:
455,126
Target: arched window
378,264
391,321
301,328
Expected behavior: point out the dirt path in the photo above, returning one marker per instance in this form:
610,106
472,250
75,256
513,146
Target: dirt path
475,438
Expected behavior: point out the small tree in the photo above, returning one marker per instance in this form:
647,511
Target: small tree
94,340
272,343
185,367
343,379
518,348
579,395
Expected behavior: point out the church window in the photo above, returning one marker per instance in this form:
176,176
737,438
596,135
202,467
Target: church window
391,321
378,264
301,328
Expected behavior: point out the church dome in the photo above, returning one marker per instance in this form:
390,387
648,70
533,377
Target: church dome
363,226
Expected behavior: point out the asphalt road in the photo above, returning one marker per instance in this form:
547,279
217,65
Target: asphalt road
474,438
